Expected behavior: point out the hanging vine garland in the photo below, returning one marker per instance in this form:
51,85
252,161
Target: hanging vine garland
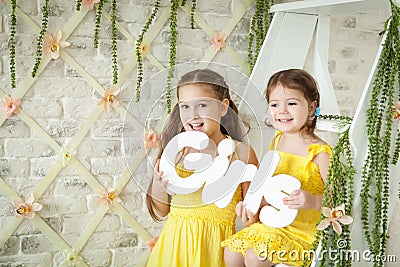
114,50
339,190
138,49
375,173
39,44
78,5
114,41
172,50
258,29
12,42
97,23
192,11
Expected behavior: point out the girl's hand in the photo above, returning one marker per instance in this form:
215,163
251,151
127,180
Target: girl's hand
158,184
248,218
301,199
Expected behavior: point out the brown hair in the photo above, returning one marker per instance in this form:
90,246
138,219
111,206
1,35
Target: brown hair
230,123
300,80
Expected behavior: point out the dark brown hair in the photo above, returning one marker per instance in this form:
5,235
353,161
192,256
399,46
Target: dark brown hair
230,124
300,80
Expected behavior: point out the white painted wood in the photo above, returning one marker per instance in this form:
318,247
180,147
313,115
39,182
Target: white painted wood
285,46
359,141
320,70
329,7
275,54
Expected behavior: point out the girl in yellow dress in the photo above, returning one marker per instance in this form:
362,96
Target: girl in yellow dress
193,231
293,101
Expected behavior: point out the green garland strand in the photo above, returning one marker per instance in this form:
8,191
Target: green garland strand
396,152
114,41
78,5
138,49
258,29
339,189
172,50
192,11
39,44
12,42
97,23
375,171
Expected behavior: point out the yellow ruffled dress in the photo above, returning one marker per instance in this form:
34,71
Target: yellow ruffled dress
193,232
297,238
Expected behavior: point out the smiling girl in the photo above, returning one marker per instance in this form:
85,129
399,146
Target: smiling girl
293,101
193,232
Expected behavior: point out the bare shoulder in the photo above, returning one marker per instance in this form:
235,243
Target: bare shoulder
318,141
246,153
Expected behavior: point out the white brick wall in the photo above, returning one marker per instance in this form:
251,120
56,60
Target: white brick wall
60,101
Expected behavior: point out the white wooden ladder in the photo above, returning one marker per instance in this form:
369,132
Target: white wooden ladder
296,27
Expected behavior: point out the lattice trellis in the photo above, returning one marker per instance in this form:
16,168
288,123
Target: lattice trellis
73,144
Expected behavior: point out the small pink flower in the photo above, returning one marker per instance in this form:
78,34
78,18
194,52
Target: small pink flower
218,41
332,216
109,98
27,208
90,3
52,44
152,243
396,112
108,197
10,106
151,139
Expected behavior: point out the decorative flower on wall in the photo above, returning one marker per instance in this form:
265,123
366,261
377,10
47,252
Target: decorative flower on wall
396,113
27,208
144,49
151,139
333,216
109,98
90,3
152,243
108,197
52,44
66,155
218,41
72,258
10,106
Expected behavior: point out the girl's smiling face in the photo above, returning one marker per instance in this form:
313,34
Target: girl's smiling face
200,110
289,109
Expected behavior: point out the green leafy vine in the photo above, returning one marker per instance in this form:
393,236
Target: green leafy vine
114,41
192,11
39,43
78,5
12,42
172,49
99,13
138,50
258,29
339,189
375,173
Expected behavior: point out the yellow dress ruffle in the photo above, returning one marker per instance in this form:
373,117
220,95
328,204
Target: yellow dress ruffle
295,239
193,232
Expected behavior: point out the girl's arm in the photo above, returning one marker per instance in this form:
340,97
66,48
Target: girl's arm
301,199
247,155
157,192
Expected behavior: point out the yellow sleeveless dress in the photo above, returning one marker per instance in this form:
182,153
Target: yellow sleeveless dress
296,238
193,232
